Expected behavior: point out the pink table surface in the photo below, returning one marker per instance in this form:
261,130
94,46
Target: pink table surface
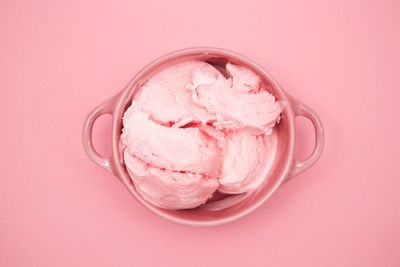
58,59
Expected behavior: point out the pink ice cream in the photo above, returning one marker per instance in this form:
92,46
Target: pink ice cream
191,131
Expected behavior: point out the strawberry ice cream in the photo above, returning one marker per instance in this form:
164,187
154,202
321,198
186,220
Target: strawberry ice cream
192,130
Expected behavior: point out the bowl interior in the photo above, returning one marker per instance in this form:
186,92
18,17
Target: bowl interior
202,216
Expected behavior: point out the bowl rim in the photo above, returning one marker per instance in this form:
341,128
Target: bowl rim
121,98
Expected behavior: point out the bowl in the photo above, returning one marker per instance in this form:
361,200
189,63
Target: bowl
284,166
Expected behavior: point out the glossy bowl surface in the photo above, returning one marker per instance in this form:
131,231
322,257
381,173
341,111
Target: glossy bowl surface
284,167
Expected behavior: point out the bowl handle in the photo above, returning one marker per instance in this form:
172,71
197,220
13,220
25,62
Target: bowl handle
105,108
301,109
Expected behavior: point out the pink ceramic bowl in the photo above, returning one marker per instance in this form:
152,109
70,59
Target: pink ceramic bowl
284,167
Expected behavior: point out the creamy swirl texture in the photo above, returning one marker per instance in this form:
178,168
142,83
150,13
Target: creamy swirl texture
190,131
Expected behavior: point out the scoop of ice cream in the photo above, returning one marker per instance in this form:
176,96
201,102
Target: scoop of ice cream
169,189
191,131
237,102
165,97
246,162
169,148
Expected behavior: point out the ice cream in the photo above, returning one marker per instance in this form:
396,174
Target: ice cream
192,130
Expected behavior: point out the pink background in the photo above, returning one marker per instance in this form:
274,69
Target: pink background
58,59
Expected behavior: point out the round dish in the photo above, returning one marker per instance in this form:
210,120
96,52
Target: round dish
284,166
